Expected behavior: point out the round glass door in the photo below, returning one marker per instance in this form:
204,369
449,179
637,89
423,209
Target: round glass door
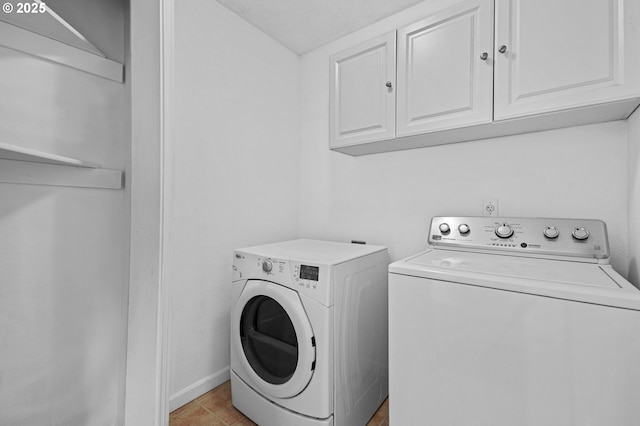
273,339
269,340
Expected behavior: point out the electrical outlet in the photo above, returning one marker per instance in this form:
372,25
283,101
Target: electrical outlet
490,206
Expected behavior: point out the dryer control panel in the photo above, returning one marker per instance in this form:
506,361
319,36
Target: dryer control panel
304,277
582,239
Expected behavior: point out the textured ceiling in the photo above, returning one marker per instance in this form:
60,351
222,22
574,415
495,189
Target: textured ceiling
303,25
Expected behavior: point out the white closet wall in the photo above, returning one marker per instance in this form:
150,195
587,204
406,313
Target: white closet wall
63,250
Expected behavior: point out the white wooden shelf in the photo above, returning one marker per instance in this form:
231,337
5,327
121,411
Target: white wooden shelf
32,167
13,152
52,38
49,24
46,48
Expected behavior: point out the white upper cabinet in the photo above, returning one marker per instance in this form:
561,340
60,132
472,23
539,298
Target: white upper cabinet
363,92
477,69
554,55
445,73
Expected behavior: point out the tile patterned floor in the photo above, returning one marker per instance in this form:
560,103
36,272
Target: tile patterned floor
214,409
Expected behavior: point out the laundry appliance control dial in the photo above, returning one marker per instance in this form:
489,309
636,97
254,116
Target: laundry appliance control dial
504,230
551,232
444,228
267,265
580,234
464,228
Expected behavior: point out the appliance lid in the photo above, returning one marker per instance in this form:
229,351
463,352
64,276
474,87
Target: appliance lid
587,282
313,251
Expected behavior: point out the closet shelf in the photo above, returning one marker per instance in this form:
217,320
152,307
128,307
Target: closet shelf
33,167
80,58
17,153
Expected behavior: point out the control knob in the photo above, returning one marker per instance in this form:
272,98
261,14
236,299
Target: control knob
504,230
464,228
580,234
267,266
551,232
444,228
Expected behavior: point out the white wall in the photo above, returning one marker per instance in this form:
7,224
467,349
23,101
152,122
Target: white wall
389,198
63,252
234,174
634,199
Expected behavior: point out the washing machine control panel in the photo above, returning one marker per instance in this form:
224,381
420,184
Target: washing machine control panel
313,280
271,266
536,237
304,277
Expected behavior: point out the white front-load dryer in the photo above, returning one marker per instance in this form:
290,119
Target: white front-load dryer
309,332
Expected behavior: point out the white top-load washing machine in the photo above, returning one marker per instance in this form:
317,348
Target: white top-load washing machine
513,322
309,332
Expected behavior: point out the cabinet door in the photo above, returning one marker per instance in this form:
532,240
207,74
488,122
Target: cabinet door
561,54
362,104
443,80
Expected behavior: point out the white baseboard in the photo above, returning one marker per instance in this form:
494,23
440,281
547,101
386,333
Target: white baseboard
198,388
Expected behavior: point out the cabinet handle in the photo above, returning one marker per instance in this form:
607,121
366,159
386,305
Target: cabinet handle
484,56
389,84
502,49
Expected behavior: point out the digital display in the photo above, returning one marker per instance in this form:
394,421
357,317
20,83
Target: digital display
309,272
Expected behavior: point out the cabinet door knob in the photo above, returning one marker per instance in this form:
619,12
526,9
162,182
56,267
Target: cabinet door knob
484,56
389,84
502,49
